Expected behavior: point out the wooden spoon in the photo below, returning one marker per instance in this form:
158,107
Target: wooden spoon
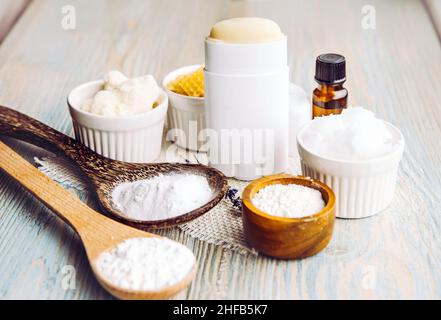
105,174
97,232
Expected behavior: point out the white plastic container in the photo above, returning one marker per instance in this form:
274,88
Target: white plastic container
362,188
134,138
300,114
186,115
246,94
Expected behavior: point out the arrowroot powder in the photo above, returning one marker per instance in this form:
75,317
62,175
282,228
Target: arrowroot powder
288,200
145,264
161,197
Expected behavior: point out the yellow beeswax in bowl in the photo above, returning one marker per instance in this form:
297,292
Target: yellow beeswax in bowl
191,84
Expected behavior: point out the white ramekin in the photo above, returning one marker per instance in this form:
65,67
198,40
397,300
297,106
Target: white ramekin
134,138
186,115
362,188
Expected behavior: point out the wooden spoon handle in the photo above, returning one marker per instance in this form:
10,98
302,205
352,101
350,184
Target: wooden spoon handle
97,232
65,204
20,126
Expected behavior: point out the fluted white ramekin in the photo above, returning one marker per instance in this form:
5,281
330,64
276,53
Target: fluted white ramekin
186,115
362,188
134,138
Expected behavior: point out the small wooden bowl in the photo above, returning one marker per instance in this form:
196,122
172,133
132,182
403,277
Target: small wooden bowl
288,238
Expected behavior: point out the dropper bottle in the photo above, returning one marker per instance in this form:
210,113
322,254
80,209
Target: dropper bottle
330,97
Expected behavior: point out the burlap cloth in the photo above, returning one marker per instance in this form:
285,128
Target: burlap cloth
220,226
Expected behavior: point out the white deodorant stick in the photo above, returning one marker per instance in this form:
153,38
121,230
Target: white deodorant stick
246,98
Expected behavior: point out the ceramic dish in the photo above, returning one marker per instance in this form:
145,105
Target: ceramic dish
136,138
362,188
186,115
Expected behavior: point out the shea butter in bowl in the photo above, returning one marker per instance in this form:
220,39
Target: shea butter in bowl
186,115
288,217
120,118
357,155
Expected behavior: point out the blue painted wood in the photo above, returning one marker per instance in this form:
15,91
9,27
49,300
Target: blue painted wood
394,69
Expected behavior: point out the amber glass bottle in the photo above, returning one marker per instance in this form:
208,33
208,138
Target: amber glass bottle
330,97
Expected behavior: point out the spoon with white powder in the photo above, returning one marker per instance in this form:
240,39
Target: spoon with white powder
185,191
129,263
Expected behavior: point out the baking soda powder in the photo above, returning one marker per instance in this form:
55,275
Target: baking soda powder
288,200
161,197
145,264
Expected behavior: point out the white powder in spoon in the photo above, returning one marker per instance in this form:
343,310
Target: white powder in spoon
288,200
145,264
161,197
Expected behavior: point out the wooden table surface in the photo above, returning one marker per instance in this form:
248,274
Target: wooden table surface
394,69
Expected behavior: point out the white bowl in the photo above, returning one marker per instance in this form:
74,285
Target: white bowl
134,138
362,187
186,115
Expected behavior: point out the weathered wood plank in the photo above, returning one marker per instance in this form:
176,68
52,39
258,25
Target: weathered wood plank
394,69
10,11
434,8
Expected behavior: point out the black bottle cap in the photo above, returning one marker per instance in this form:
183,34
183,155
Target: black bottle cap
330,68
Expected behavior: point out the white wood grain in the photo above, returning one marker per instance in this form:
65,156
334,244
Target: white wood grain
394,69
10,11
434,9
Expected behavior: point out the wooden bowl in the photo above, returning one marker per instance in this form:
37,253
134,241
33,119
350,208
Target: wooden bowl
288,238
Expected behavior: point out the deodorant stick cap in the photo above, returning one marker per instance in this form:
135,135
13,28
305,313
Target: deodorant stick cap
245,46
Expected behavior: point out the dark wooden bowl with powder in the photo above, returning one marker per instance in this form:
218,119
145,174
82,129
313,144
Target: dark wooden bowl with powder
283,237
105,174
